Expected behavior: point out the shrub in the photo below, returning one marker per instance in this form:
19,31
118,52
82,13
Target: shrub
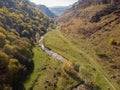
112,41
70,71
76,67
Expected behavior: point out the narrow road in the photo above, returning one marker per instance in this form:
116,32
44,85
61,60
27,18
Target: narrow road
51,53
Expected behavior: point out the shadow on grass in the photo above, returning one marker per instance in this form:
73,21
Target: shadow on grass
25,76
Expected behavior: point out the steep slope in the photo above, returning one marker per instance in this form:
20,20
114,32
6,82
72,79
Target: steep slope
78,8
93,27
46,11
19,24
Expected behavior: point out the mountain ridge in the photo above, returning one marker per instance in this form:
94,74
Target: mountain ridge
59,10
81,5
46,11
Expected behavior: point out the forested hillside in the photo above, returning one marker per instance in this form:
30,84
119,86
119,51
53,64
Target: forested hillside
46,11
19,23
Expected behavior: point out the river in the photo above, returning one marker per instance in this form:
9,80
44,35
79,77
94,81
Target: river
50,52
56,56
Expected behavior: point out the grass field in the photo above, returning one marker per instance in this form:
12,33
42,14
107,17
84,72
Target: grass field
44,68
82,55
48,73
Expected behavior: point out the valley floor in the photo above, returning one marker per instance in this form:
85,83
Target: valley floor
44,69
48,73
51,74
79,52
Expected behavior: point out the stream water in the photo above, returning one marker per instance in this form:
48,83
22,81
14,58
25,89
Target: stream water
50,52
54,55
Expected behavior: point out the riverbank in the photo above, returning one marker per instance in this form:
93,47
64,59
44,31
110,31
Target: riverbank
50,52
50,73
42,62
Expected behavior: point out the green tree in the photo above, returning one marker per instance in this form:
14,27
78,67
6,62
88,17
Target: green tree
15,70
2,30
8,49
4,60
4,8
2,39
14,66
25,33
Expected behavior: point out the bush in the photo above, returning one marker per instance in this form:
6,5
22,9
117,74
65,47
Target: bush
69,70
112,41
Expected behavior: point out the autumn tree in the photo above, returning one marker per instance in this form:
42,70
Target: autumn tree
2,39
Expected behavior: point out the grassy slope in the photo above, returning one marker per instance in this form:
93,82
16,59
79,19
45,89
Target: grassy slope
40,59
42,62
48,74
81,55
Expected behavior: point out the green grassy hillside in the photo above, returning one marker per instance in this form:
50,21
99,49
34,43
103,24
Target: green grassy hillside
51,74
79,52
